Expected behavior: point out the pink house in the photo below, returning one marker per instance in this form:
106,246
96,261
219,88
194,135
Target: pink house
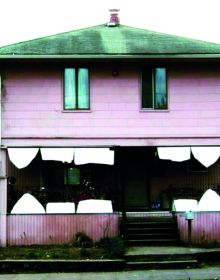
108,112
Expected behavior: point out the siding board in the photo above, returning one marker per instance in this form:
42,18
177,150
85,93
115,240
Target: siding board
33,106
58,229
205,228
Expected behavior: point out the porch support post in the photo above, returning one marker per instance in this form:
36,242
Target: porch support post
120,177
3,183
0,111
3,198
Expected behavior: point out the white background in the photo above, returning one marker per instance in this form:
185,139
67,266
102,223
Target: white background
28,19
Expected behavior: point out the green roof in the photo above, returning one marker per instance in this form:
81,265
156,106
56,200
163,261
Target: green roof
102,41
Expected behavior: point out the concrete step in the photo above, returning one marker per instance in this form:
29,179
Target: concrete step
152,242
150,219
144,236
162,264
152,224
152,230
158,257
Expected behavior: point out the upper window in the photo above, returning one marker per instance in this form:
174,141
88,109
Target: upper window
154,89
76,89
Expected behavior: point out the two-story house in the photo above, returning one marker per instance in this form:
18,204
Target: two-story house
108,112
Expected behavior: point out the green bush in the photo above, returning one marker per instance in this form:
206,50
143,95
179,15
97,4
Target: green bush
113,246
82,240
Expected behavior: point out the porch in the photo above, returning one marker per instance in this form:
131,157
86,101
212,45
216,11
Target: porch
139,183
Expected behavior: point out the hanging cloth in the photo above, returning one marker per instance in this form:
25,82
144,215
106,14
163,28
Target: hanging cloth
22,157
174,153
58,154
94,155
206,155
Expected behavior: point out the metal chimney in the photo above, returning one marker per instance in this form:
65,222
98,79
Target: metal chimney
114,18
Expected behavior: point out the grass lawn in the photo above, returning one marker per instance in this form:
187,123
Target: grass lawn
52,252
82,248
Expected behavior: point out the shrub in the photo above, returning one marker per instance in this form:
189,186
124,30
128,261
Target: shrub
113,246
82,240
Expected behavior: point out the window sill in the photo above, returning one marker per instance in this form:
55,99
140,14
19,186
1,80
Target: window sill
76,111
154,110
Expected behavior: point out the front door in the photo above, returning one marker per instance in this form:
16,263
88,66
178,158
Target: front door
136,187
135,162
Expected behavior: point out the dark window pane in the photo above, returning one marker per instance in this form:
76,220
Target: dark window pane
147,95
70,88
160,89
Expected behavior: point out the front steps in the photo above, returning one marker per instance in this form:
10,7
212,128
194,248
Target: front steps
151,230
155,232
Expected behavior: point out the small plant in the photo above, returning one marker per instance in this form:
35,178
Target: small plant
82,240
113,246
85,253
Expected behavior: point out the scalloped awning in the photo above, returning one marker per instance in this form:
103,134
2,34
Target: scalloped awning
205,155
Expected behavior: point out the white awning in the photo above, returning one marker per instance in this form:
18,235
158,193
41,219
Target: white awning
59,154
174,153
22,157
206,155
94,155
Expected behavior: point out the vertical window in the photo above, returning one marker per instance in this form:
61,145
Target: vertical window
76,89
154,88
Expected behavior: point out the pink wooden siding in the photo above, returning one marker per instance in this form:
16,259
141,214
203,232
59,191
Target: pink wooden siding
33,108
205,228
58,229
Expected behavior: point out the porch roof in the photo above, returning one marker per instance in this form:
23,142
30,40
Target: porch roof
113,42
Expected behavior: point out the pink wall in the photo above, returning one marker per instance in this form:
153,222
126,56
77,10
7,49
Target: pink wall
33,108
58,229
205,228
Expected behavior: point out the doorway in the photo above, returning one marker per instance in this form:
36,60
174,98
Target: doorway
136,166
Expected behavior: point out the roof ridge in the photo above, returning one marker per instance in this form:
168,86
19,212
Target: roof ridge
101,39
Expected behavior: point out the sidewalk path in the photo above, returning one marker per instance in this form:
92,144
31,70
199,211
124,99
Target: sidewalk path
210,273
